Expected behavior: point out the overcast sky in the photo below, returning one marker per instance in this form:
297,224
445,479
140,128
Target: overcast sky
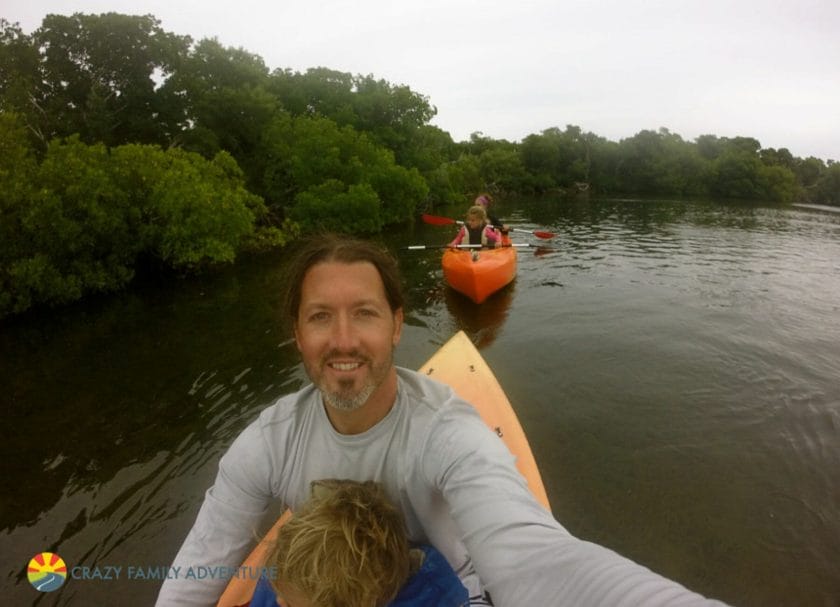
759,68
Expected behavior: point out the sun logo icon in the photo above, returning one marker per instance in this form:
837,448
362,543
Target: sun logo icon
46,572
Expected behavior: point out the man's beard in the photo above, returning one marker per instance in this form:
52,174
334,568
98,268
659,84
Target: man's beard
343,399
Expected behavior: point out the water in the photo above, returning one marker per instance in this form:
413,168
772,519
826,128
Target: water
675,366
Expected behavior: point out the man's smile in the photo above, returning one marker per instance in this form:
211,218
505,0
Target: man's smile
345,366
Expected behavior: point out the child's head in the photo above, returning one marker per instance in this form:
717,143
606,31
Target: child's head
346,546
476,216
483,200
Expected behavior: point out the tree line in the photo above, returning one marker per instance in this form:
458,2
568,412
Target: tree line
122,144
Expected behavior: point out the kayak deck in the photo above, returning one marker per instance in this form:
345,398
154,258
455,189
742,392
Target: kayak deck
462,367
458,364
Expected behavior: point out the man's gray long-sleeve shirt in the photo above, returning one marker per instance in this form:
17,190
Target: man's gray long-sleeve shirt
453,478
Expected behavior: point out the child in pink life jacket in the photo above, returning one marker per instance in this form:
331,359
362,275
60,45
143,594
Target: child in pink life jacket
476,230
484,201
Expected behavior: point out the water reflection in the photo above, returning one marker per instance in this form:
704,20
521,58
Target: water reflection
428,294
483,321
117,412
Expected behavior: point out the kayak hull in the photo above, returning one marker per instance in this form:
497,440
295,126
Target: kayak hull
458,364
479,273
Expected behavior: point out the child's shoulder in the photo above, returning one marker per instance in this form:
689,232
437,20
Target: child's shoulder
433,583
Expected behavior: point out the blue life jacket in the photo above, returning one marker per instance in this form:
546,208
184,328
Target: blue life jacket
433,585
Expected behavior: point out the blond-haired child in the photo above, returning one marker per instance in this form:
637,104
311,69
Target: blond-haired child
476,230
347,547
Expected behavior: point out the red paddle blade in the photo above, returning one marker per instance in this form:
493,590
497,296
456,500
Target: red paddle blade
438,221
541,234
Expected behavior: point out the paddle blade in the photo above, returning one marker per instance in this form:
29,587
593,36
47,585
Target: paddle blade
537,233
435,220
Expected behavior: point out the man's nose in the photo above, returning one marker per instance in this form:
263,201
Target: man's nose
343,333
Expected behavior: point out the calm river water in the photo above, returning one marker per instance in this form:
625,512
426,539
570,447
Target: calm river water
676,366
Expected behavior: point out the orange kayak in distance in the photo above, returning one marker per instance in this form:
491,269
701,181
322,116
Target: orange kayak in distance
479,273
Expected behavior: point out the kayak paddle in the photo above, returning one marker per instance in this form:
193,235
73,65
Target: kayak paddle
423,247
518,245
436,220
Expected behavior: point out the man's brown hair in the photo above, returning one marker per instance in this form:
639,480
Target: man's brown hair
343,249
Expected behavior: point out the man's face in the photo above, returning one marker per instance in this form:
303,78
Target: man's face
346,332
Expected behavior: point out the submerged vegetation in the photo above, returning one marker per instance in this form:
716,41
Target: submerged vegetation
122,144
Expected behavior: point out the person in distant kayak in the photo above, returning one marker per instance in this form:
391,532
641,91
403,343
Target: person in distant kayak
476,230
347,546
484,201
363,418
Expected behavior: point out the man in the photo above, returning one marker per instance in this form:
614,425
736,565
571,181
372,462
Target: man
365,419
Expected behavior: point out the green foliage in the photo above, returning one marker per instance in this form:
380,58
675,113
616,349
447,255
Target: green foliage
191,210
392,115
734,175
94,75
480,143
17,171
74,231
545,157
226,103
808,171
659,163
777,183
442,190
268,237
302,154
502,170
781,157
710,146
17,164
401,190
827,187
558,159
332,206
604,160
202,211
90,214
19,62
464,178
429,147
739,173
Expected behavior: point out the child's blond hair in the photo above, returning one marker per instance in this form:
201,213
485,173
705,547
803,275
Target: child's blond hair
477,212
345,547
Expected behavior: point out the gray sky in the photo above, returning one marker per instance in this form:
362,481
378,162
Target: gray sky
759,68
